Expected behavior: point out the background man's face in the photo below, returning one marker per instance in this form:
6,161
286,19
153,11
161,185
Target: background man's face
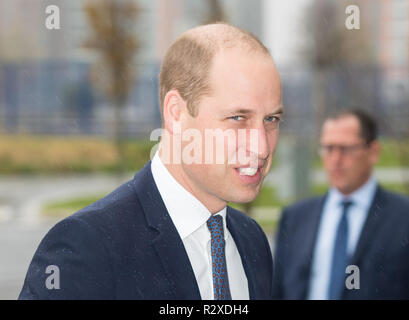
349,170
246,94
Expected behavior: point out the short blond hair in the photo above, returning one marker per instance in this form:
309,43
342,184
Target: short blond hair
187,62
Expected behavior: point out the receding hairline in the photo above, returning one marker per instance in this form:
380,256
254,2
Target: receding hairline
220,36
201,45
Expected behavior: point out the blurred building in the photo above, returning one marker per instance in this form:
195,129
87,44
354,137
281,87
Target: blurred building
45,88
366,67
393,57
44,74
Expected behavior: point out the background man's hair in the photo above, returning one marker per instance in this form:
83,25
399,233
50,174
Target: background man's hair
368,124
187,62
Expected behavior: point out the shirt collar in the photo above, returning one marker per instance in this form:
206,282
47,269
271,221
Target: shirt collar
361,198
187,213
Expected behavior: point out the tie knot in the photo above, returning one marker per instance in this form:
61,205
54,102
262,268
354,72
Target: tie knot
346,203
215,224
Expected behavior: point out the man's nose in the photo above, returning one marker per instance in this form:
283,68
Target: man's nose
258,143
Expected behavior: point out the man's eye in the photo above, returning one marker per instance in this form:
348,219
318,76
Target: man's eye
237,118
272,119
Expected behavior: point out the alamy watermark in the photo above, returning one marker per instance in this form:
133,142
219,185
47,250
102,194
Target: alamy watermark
353,280
352,22
52,21
52,282
213,146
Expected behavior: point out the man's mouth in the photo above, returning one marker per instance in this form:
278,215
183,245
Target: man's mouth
247,171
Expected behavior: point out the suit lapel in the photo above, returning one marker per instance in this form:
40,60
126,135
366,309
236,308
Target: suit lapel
308,238
167,243
372,223
249,262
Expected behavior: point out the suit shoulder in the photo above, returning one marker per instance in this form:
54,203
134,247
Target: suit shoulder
112,206
397,199
304,205
395,202
71,230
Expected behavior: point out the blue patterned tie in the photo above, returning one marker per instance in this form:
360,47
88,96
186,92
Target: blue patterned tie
221,287
340,256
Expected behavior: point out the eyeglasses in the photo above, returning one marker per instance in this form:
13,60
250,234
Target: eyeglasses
325,150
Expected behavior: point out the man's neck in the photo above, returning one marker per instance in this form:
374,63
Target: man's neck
213,204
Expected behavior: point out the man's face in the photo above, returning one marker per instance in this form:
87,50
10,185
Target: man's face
347,159
246,94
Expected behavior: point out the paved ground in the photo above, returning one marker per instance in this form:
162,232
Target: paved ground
21,228
18,242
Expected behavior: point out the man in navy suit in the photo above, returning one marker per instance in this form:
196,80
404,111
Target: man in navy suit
168,233
353,242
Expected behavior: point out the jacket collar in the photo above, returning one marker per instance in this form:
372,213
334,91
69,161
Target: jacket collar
169,246
241,238
167,242
307,247
374,220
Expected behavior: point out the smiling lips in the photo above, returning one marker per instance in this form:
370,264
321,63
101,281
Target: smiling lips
248,171
249,175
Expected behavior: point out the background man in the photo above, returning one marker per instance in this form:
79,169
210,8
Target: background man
168,234
355,223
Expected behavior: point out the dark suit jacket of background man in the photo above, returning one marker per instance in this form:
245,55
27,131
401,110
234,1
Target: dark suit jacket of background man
125,246
382,253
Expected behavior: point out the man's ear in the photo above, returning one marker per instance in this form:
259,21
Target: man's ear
173,107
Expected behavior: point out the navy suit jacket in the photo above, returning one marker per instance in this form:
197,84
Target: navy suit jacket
125,246
382,252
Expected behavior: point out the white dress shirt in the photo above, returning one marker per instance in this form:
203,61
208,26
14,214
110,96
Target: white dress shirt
189,216
331,215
